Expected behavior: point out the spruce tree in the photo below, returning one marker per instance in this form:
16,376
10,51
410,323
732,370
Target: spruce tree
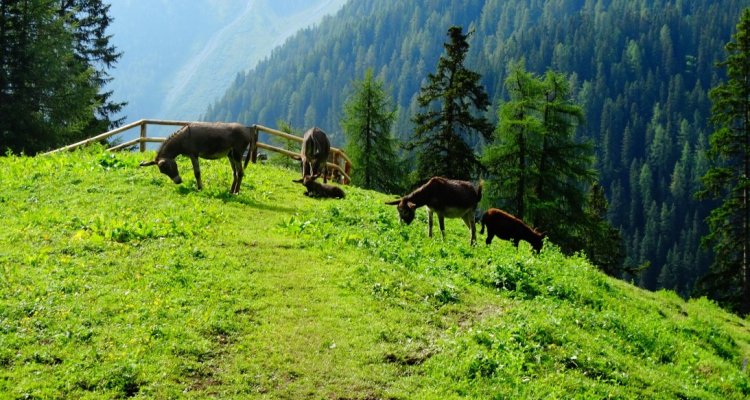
88,20
445,131
53,61
727,180
368,117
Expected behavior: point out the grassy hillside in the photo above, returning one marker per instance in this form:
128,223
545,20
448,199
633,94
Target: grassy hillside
116,283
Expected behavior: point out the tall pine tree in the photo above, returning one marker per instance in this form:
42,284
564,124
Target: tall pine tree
444,131
368,117
727,180
89,20
53,58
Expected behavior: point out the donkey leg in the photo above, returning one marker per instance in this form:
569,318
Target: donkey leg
196,171
469,221
306,169
233,164
429,223
239,173
441,222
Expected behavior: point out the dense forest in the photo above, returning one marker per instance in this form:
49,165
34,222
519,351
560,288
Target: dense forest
640,69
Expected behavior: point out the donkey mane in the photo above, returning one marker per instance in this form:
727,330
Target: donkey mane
171,138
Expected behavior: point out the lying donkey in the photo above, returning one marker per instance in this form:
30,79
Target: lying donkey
448,198
321,190
508,227
210,141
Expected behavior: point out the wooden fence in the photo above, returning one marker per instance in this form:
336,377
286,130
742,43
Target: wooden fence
338,162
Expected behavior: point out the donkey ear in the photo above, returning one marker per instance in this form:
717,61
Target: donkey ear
393,202
297,180
147,163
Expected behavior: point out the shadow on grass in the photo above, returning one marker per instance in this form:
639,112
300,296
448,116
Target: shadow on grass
227,197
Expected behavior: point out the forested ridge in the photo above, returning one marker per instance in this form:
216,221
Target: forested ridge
640,69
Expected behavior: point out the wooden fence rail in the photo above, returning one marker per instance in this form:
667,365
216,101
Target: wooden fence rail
338,162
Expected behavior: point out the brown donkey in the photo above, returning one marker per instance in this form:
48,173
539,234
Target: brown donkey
448,198
508,227
210,141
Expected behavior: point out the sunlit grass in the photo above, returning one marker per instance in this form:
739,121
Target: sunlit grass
115,283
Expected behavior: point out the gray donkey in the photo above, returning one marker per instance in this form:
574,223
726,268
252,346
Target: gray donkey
314,154
210,141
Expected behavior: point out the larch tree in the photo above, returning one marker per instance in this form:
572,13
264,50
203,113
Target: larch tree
565,165
541,173
728,279
447,127
510,158
369,115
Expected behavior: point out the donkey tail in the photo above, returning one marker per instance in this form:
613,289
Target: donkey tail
248,155
252,147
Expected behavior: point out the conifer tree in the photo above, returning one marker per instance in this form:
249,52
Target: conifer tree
368,117
565,166
53,61
89,20
728,178
510,158
445,129
539,172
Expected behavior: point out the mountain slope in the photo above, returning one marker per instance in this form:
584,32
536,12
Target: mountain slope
118,283
177,57
640,69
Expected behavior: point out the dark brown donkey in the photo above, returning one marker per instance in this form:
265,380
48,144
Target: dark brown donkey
449,198
210,141
321,190
314,154
508,227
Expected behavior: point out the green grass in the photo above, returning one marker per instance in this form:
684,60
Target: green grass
116,283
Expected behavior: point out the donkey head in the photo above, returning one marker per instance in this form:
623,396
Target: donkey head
405,209
167,166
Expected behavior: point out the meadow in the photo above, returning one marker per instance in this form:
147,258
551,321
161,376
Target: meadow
117,283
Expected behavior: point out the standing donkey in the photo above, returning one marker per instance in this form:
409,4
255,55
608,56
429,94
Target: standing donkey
449,198
210,141
314,154
509,227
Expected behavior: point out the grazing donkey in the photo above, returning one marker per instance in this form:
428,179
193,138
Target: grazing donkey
321,190
210,141
508,227
447,197
314,154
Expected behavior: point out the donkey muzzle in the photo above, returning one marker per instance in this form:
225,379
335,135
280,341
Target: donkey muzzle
177,179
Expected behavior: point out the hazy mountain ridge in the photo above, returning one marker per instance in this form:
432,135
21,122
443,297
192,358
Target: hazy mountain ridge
178,58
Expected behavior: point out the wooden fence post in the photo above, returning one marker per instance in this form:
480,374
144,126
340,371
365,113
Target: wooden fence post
143,137
254,155
347,171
